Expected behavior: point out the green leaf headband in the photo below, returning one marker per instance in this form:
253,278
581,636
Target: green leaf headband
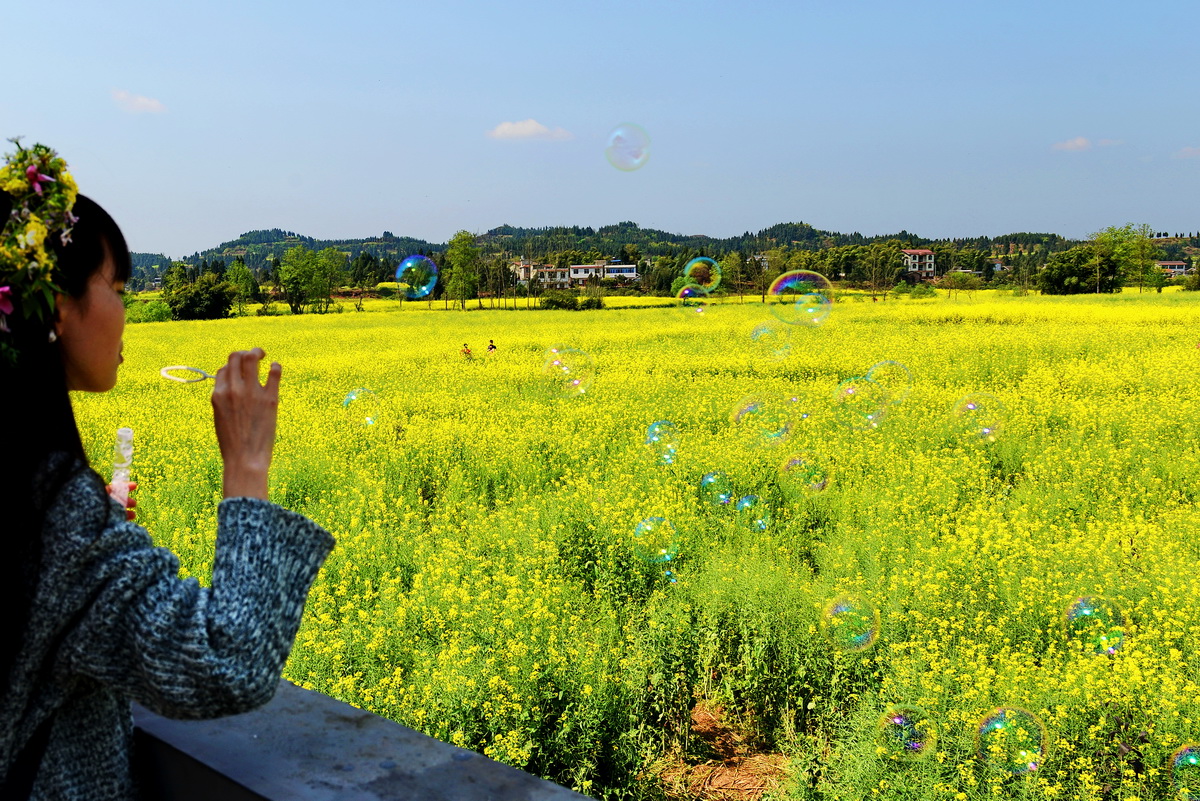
43,194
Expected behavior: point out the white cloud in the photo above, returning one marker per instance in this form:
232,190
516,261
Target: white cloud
1078,143
136,104
1188,153
528,129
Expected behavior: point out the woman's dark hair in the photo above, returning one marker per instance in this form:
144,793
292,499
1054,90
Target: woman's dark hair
36,407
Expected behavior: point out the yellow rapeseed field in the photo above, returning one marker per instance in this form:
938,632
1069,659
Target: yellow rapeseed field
488,587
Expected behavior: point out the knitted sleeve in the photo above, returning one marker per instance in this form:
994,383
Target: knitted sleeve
180,649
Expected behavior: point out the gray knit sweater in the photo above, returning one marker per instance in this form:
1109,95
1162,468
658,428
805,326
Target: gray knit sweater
111,621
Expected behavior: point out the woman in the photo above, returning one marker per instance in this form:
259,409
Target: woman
94,615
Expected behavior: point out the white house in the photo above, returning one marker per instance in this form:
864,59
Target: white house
919,263
1174,269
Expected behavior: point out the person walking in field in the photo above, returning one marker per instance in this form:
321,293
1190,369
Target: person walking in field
491,346
466,352
94,615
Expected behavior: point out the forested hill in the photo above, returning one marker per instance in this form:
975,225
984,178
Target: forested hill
254,247
538,243
608,241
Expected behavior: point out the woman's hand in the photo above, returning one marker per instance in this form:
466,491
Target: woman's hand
130,503
244,413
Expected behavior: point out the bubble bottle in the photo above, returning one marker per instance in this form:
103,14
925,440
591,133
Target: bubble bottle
122,460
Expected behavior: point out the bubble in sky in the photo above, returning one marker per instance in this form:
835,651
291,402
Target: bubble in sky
850,623
978,416
802,474
419,274
655,540
716,489
800,297
703,272
1012,741
662,438
693,298
906,732
628,147
362,407
859,403
895,379
570,371
1185,772
771,341
1095,624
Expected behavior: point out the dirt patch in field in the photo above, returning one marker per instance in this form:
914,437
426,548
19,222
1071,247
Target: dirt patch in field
734,771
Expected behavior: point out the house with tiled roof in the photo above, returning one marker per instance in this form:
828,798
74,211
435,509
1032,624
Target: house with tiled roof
919,263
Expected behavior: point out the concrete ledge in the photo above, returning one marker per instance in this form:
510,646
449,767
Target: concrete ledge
308,747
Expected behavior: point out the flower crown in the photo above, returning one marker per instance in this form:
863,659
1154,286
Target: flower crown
43,194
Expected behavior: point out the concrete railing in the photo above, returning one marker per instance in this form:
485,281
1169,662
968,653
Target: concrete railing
305,746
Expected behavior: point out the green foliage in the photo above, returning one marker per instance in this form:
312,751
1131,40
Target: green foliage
206,298
462,262
558,299
1083,268
244,286
922,290
590,303
154,311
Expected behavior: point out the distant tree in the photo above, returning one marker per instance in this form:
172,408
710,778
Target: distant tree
1083,268
960,282
245,288
733,266
295,274
207,298
329,273
882,265
462,261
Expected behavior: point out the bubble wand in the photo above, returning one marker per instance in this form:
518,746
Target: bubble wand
118,490
172,374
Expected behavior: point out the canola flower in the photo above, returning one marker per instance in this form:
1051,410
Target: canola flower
486,587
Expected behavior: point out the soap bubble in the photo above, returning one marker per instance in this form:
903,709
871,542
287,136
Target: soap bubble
800,297
628,147
1095,624
1185,772
859,403
662,438
693,298
769,419
894,378
420,274
801,474
907,732
752,513
703,272
716,489
655,540
850,623
669,575
978,416
362,407
772,340
570,371
1011,740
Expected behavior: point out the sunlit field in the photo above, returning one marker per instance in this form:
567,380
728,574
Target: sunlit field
490,586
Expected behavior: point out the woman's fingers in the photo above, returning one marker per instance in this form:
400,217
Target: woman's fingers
273,380
245,416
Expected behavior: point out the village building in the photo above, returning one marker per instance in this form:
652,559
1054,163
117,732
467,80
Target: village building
919,263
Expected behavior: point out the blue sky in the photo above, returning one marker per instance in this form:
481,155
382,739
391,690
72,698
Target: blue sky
195,123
